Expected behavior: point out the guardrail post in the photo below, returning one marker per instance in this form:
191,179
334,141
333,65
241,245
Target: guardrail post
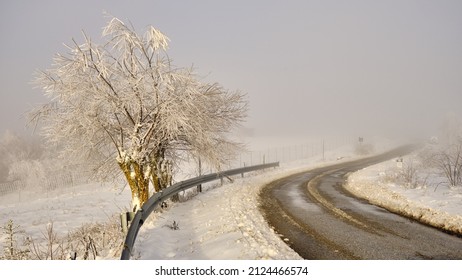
123,222
199,187
125,219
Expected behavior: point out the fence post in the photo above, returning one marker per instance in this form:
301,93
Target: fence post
199,187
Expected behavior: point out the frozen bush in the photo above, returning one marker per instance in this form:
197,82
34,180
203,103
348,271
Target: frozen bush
12,251
449,161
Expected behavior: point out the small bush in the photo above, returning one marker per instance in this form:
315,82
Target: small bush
90,241
12,251
450,163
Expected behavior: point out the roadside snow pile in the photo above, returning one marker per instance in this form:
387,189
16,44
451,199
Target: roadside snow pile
410,191
223,223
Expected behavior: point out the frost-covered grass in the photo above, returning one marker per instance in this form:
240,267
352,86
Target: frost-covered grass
75,216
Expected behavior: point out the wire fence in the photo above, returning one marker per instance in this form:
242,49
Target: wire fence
284,154
63,180
21,190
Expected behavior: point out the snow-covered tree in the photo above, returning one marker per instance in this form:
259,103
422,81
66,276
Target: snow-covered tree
124,102
15,151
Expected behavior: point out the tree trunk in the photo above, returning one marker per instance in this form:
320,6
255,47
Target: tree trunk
139,185
161,174
137,175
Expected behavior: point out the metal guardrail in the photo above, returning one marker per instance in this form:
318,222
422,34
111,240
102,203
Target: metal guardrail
155,200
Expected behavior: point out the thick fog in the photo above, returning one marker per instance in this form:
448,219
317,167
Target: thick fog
308,67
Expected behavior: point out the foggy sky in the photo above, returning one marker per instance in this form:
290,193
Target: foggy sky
308,67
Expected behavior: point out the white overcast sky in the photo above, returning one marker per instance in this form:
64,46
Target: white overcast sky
307,66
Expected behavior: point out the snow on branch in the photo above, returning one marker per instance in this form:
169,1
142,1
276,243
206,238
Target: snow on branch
123,100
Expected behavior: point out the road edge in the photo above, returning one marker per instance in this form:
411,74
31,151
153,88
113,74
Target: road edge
378,194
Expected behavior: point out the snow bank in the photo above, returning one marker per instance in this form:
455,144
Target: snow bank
223,223
440,207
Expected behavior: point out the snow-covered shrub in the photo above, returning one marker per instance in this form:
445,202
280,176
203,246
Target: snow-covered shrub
97,240
13,251
410,174
49,247
444,159
449,161
31,172
15,150
88,242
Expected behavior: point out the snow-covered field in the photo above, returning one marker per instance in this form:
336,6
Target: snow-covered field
223,222
67,211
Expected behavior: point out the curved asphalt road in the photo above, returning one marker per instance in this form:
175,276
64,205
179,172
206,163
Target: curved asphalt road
320,220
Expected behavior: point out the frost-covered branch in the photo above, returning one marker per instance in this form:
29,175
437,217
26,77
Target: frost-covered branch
123,100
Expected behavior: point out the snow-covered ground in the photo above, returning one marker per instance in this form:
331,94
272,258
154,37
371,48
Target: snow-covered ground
223,222
66,211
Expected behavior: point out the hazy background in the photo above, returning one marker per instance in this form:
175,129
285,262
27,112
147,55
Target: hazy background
308,67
